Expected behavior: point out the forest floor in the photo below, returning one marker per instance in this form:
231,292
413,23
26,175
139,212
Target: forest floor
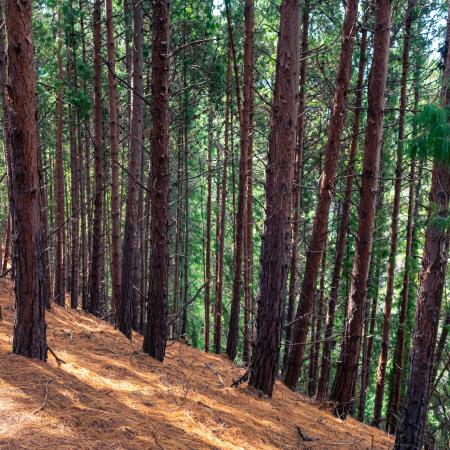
107,394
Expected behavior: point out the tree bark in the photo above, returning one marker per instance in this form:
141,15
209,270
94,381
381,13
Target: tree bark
341,241
60,289
156,332
319,233
130,243
29,335
278,201
114,154
383,358
297,190
223,210
233,329
247,123
97,257
410,433
347,369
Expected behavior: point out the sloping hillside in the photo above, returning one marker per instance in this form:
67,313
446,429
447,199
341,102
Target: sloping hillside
107,394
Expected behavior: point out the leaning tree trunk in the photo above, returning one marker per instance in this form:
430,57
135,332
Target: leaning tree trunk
278,193
156,331
383,359
341,242
410,432
319,233
113,144
347,369
130,244
97,256
29,336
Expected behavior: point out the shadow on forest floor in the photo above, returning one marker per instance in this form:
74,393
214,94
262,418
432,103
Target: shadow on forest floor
109,395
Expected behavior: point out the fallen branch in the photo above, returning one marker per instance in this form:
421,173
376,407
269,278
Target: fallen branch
45,397
215,372
304,436
58,359
240,380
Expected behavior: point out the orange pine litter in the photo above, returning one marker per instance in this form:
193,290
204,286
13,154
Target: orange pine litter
107,394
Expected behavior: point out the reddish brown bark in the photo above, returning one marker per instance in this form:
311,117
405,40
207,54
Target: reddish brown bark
410,433
220,257
247,124
297,191
319,232
383,358
208,240
156,332
59,292
341,241
128,291
278,201
113,144
97,256
347,369
233,329
29,336
6,256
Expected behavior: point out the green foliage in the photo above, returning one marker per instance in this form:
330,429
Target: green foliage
432,138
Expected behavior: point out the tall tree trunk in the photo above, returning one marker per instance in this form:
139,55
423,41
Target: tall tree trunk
434,265
156,332
208,240
247,123
278,201
223,209
297,189
115,201
130,244
319,233
347,369
97,256
341,242
60,290
244,128
411,233
383,359
29,335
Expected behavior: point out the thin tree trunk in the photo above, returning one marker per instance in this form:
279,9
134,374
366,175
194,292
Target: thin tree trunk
297,190
347,369
223,206
434,265
233,330
343,226
208,240
319,233
317,333
383,359
278,201
97,256
156,332
29,335
115,201
399,352
130,243
247,123
59,188
6,256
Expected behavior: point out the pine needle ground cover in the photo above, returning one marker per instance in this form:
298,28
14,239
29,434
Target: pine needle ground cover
104,393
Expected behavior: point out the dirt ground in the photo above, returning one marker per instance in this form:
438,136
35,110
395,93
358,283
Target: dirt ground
107,394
